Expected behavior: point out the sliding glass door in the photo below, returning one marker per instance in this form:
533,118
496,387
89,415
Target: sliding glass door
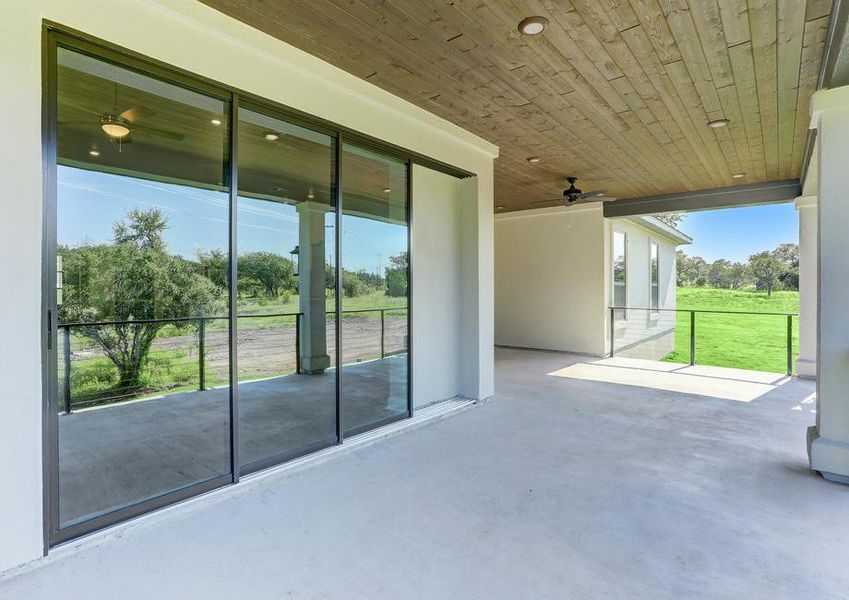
286,325
202,287
375,289
141,199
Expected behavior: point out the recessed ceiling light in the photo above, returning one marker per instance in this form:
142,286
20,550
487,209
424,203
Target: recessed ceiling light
534,160
532,25
216,122
717,123
271,136
739,175
310,194
94,152
499,207
387,190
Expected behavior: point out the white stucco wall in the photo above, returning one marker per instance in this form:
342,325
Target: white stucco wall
553,283
549,279
437,283
643,334
189,35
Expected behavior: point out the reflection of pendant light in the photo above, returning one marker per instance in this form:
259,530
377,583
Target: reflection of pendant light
310,194
115,127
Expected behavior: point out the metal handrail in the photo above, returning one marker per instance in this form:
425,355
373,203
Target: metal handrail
704,310
693,312
201,321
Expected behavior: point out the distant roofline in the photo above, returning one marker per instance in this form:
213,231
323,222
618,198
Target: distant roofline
662,228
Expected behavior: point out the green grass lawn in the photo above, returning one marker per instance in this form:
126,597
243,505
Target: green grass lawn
743,341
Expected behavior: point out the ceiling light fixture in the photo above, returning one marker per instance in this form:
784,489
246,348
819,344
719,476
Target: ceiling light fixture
94,152
534,160
739,175
717,123
310,194
115,126
216,122
532,25
499,207
271,136
387,190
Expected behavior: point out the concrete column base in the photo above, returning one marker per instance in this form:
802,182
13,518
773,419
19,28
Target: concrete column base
806,368
315,365
829,457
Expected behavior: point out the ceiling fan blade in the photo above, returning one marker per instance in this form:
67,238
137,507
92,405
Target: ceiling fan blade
549,201
92,122
164,133
594,199
594,193
136,113
66,102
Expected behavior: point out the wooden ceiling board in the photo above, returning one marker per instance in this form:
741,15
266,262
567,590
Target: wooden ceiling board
617,93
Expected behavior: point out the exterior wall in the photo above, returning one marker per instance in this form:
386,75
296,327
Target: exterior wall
550,279
806,363
437,283
194,37
643,334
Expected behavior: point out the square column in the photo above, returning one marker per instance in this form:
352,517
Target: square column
806,363
312,286
828,440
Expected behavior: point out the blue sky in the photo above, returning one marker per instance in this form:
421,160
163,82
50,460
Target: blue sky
89,203
737,233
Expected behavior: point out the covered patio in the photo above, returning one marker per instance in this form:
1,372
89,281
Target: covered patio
561,485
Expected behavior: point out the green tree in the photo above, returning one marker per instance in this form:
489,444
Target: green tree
214,265
130,280
765,268
788,255
396,275
271,272
672,219
719,273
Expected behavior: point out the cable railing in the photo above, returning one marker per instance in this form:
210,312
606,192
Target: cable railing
744,339
193,353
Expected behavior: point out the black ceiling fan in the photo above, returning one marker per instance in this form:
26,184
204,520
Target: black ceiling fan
573,195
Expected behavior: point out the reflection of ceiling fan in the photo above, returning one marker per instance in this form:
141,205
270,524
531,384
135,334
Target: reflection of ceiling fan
120,126
573,195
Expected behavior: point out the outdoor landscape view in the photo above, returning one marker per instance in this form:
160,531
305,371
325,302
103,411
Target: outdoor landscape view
731,276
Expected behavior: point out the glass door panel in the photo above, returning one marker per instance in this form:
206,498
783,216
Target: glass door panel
375,289
286,330
143,384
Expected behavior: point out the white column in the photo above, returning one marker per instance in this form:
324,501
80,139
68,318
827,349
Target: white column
806,363
311,287
828,441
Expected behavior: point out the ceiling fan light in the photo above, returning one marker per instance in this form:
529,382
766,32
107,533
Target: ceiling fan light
115,129
532,25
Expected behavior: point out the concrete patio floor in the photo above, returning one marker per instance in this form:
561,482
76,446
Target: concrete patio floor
559,487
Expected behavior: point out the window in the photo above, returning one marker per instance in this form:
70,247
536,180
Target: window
193,266
375,290
620,296
655,281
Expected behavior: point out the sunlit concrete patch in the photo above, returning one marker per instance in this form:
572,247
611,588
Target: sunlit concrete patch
713,382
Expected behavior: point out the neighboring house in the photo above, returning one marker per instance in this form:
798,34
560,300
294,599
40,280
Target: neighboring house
642,275
558,271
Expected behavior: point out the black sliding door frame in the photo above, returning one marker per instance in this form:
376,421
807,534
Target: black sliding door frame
55,37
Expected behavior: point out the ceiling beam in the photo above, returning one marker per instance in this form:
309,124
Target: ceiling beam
724,197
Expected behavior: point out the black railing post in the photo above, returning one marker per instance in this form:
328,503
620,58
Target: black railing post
298,343
692,337
612,332
789,344
382,333
66,350
201,354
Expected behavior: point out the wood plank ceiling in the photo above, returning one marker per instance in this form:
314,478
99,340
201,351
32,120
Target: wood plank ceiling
615,92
